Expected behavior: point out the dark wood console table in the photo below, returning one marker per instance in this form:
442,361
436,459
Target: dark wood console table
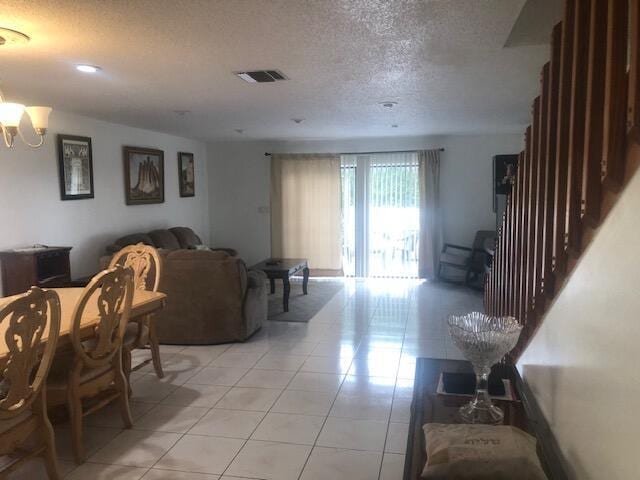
46,267
429,407
283,268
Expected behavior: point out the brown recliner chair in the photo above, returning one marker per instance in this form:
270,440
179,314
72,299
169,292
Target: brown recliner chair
211,298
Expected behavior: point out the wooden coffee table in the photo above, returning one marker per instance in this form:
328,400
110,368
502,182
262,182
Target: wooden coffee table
283,268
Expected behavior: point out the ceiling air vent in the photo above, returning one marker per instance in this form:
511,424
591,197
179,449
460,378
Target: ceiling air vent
261,76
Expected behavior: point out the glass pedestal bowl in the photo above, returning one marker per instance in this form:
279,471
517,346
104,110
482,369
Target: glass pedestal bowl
483,340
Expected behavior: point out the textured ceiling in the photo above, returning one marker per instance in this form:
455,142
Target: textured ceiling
443,61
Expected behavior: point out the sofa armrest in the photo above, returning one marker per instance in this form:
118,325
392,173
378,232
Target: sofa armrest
230,251
256,279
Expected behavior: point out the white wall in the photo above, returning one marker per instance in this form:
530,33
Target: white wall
240,171
582,364
32,212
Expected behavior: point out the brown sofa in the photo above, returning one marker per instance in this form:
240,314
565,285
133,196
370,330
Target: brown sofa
211,296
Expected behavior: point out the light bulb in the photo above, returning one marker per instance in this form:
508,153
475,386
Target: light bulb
10,114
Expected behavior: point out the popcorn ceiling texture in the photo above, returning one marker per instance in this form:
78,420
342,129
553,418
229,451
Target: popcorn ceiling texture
442,60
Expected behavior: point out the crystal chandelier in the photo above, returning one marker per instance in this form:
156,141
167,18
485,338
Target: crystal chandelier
11,115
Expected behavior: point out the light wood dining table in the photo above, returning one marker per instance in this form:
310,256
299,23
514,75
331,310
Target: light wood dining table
144,303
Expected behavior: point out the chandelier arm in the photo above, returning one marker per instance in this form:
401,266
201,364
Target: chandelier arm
39,144
5,136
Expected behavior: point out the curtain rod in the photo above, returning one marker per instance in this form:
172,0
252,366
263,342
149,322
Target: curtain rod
268,154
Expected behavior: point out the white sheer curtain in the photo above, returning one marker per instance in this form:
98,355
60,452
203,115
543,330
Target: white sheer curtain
430,213
305,210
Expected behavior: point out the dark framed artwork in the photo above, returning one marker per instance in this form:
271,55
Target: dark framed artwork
143,175
187,173
75,167
504,175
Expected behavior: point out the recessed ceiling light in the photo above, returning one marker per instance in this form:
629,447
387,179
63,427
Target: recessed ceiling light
389,104
88,68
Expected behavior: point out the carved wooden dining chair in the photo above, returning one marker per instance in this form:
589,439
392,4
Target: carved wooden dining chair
141,333
92,373
23,374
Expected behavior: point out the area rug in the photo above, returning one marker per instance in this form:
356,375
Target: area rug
302,308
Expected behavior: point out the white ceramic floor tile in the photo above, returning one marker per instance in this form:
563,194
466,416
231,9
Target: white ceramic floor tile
170,418
198,454
266,379
256,399
196,395
94,438
156,474
95,471
228,423
35,469
304,403
392,467
353,434
269,461
397,438
401,410
326,364
331,463
135,448
225,376
236,359
110,416
151,389
275,361
316,382
289,428
368,407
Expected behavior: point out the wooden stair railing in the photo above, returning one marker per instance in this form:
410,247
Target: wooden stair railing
582,148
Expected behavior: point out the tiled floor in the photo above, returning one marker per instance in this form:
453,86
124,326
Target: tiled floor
328,399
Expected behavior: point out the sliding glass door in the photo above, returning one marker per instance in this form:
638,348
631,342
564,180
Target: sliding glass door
380,214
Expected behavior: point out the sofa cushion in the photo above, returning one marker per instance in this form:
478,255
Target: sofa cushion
186,237
164,239
130,240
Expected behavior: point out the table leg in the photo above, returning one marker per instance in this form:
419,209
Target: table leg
305,279
285,296
272,283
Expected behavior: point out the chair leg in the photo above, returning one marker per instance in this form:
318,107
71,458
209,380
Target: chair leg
74,404
48,437
155,349
122,387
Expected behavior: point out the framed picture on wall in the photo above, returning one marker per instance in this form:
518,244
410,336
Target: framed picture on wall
143,175
75,167
186,172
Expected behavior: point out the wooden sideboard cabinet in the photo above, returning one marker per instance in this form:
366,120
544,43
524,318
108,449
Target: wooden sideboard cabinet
45,267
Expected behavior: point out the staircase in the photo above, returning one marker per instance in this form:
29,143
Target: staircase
581,149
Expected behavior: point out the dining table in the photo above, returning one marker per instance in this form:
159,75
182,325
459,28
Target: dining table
144,303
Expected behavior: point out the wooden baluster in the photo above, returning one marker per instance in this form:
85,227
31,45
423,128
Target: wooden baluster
531,214
594,118
559,258
573,224
615,100
550,166
538,300
509,253
633,113
503,254
496,289
524,230
517,193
